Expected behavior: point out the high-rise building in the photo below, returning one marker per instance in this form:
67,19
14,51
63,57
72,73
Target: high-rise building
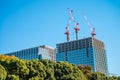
52,52
40,52
87,51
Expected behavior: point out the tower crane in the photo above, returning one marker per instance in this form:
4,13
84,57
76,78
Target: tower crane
68,24
76,30
67,33
90,26
71,19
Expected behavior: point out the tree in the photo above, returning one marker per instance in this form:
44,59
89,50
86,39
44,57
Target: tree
99,76
15,66
6,57
118,78
12,77
12,68
66,71
114,78
86,70
21,69
3,73
36,70
49,69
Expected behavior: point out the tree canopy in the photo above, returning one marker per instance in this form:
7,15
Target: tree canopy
3,73
12,68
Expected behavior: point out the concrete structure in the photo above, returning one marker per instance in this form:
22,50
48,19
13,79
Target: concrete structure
40,52
87,51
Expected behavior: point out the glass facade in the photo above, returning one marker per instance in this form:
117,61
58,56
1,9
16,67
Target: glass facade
28,54
87,51
51,51
44,54
32,53
78,57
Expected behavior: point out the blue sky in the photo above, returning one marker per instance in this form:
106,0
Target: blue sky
30,23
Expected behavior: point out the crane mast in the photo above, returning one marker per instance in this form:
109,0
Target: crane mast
76,30
68,34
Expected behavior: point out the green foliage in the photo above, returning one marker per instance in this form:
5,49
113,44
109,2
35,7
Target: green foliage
118,77
16,67
12,77
114,78
87,71
36,70
21,69
49,69
66,71
12,68
99,76
3,73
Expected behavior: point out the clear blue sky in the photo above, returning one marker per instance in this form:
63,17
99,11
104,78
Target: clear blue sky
30,23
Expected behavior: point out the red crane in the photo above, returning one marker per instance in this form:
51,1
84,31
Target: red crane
90,26
71,19
68,34
68,24
77,29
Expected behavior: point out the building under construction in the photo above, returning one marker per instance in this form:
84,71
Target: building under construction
86,51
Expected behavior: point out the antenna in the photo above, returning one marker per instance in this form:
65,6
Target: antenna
90,26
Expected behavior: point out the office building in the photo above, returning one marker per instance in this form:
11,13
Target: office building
87,51
40,52
52,52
